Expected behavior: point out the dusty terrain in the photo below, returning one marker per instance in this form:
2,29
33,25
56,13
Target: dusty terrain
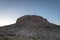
30,27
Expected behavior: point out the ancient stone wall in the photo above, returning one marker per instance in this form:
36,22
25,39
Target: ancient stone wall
31,18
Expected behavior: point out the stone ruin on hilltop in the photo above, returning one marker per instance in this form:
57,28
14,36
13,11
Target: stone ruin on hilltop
31,18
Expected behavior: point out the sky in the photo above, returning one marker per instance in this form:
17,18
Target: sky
10,10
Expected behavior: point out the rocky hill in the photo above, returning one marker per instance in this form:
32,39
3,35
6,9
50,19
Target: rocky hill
30,27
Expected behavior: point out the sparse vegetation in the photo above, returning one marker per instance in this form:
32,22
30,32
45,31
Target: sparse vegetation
35,39
32,26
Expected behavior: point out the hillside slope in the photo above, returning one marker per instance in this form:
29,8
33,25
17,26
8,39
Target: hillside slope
31,27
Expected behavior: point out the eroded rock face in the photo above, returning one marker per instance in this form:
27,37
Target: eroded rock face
31,18
31,27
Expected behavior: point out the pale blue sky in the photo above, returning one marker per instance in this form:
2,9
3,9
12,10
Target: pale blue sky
10,10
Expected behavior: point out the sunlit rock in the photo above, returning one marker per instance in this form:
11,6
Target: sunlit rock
31,18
